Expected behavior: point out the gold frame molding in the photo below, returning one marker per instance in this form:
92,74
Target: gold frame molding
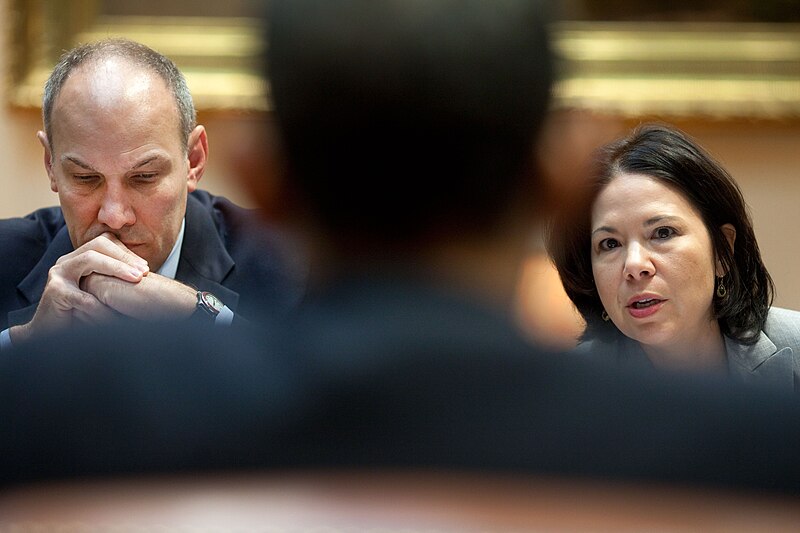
681,70
218,56
718,71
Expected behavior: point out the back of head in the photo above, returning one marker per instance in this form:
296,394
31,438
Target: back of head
404,118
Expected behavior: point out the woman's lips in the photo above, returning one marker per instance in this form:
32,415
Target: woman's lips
645,307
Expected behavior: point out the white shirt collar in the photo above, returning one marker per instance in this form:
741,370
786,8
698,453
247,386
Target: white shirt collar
170,266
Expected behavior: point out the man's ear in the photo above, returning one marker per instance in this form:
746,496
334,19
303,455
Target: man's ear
730,235
48,159
197,152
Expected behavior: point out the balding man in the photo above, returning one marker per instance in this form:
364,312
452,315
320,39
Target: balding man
133,234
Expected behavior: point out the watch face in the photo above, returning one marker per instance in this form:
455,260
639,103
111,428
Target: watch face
213,303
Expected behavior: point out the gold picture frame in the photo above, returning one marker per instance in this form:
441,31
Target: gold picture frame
672,70
218,55
681,70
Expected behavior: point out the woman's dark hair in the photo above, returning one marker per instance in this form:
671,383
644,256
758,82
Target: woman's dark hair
670,156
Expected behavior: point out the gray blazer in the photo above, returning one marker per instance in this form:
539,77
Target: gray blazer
773,361
775,357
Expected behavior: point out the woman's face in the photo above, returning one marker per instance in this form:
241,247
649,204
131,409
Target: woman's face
653,264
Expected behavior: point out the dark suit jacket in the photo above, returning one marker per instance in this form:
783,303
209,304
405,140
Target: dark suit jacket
377,373
226,250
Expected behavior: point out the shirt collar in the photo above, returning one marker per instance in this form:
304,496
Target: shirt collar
170,266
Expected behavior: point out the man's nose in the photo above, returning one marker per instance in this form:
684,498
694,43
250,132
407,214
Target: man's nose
116,210
638,263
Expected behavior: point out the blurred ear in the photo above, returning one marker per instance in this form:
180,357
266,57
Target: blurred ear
259,165
48,159
567,144
730,235
198,156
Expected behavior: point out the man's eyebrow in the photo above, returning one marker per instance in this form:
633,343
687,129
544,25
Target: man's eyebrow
78,162
142,163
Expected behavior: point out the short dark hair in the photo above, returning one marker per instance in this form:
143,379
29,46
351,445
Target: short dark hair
400,117
134,52
670,156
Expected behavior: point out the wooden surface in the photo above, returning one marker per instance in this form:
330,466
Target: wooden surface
386,502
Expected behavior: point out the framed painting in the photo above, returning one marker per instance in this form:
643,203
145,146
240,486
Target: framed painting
694,58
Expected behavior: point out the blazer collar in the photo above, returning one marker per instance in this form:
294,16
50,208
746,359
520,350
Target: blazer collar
205,263
762,361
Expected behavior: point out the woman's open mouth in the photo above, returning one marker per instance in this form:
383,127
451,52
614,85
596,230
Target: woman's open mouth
645,307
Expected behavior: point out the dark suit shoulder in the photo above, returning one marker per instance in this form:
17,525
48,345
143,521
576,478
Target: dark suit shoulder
246,233
23,240
269,269
230,219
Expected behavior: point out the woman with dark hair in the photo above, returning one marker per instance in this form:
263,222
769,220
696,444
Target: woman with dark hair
665,268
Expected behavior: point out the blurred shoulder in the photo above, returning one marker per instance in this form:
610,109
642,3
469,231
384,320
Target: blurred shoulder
596,348
615,349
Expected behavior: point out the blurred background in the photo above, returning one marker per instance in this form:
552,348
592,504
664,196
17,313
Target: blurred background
725,71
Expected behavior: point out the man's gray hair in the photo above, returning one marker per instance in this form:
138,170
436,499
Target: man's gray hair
136,53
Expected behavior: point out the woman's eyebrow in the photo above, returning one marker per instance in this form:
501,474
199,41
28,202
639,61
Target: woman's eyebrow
607,229
661,218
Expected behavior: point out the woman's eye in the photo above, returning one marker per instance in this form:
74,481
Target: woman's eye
664,233
608,244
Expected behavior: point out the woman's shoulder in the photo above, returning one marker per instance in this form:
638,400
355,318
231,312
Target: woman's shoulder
783,324
782,314
618,348
783,318
591,346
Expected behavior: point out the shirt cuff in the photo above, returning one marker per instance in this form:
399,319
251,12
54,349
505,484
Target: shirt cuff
224,317
5,340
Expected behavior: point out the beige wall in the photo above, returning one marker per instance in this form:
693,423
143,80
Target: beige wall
766,162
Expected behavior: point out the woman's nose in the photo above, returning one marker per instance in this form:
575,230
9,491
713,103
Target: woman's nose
638,263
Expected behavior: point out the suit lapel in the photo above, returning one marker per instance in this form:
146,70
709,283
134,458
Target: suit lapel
205,263
32,286
763,362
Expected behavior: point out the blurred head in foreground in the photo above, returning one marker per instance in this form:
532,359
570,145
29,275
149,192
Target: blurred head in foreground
409,124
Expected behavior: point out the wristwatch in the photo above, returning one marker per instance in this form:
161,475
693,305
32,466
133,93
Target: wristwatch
210,304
